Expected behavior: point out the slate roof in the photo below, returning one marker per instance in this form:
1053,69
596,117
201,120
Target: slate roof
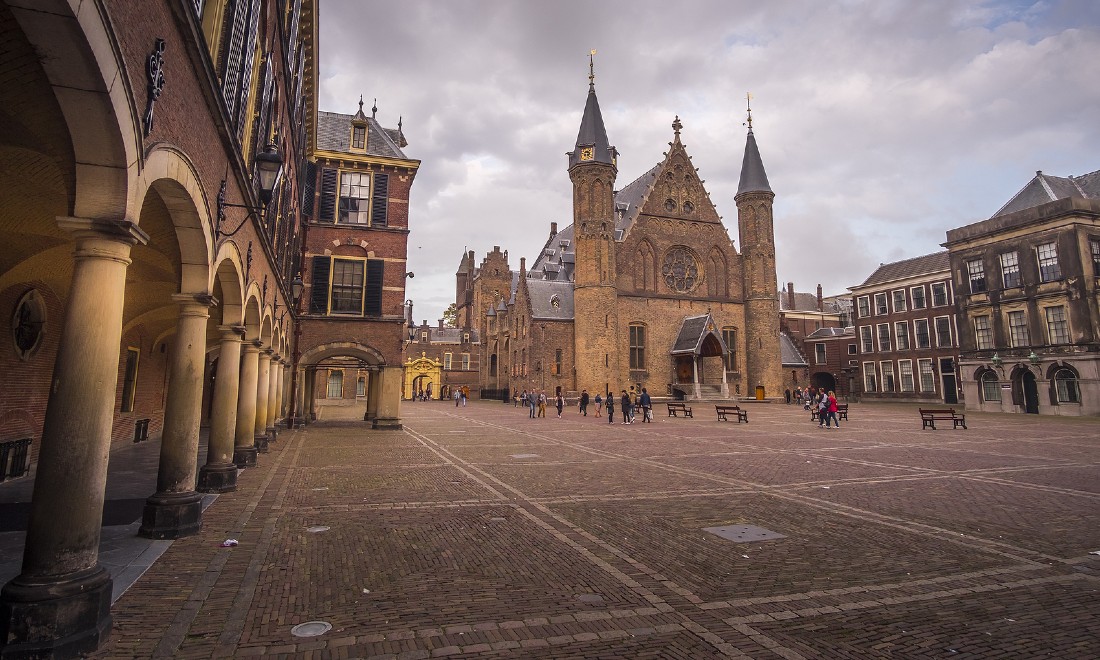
753,176
450,335
693,330
898,270
592,133
829,333
543,293
334,134
555,262
791,356
1045,188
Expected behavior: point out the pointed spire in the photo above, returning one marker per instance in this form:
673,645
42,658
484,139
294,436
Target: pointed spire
753,176
374,110
359,116
676,126
592,144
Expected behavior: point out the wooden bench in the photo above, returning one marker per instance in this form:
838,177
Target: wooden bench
841,412
675,408
929,416
742,415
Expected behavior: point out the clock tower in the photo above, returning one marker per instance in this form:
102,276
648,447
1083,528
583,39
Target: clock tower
592,169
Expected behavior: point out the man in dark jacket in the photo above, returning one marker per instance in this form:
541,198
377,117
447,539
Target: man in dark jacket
584,402
647,405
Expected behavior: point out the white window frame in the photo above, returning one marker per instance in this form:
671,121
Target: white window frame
990,386
1051,260
931,373
894,300
946,294
1010,267
884,307
867,338
448,360
886,371
950,335
863,306
465,362
983,332
916,334
1014,341
878,336
335,378
905,369
820,354
362,214
923,297
1063,322
870,377
901,330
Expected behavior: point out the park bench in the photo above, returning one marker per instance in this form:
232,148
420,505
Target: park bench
929,416
742,415
675,408
841,412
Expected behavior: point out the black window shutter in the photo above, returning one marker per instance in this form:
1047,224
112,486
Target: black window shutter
327,212
309,188
318,297
380,200
374,287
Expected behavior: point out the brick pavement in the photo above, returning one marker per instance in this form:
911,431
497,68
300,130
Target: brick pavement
479,532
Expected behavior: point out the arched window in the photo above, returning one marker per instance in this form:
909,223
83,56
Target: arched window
493,364
1067,387
716,275
645,269
991,387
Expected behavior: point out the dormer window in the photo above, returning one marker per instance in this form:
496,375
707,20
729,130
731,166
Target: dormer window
359,137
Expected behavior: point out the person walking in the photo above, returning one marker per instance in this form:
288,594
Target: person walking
584,402
832,411
821,403
610,408
599,402
530,403
633,404
542,403
787,395
647,407
457,394
560,401
624,403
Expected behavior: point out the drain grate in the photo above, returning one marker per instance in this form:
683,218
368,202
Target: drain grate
525,455
311,629
744,533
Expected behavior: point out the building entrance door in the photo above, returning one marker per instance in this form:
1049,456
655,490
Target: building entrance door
950,385
684,372
1031,393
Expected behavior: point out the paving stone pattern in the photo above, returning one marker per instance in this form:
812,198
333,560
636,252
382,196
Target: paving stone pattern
899,542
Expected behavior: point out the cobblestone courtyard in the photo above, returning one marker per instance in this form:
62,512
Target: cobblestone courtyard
479,532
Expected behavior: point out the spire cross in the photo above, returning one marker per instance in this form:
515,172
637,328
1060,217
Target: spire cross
748,106
676,126
374,110
591,69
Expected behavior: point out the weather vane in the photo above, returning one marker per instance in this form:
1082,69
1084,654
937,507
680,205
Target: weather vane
591,68
748,106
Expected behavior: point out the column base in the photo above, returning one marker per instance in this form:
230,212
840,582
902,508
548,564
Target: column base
368,416
55,618
260,442
217,478
386,423
272,434
244,457
171,515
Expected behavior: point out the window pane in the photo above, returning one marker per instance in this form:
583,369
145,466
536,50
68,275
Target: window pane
864,306
943,331
1056,325
358,137
869,376
976,272
1017,329
880,304
354,198
901,332
983,332
899,301
729,335
927,376
1048,263
887,376
819,353
335,385
918,297
1010,269
884,337
905,368
1067,386
865,339
347,286
991,387
939,295
921,326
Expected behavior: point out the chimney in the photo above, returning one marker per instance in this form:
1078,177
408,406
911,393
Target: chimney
425,323
523,266
440,324
790,296
820,302
409,313
553,229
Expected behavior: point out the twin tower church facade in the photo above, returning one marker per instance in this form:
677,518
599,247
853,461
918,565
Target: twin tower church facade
646,287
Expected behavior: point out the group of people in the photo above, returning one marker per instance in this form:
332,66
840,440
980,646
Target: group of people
629,402
825,405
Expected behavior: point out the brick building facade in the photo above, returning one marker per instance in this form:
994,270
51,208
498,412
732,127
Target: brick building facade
151,174
644,288
905,331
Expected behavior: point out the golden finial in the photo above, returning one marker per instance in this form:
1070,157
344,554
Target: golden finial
748,106
591,69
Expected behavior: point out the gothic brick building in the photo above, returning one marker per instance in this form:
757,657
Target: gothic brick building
644,288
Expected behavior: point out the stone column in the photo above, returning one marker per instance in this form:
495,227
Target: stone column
697,393
312,394
219,475
244,438
272,388
60,604
725,381
262,381
374,393
175,510
389,399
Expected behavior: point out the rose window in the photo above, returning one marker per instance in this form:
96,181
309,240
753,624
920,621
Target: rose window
680,270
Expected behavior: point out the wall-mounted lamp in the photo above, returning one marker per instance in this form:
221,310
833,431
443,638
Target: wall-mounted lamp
410,275
1033,358
996,360
268,165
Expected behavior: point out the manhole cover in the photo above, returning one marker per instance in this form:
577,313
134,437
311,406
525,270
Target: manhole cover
318,528
744,533
590,598
525,455
311,629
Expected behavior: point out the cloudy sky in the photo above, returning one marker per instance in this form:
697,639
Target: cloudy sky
881,123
